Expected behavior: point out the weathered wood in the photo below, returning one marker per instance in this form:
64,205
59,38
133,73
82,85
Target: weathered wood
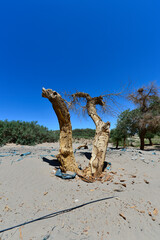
101,139
83,146
65,156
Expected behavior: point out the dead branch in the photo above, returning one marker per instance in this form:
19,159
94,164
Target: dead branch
83,146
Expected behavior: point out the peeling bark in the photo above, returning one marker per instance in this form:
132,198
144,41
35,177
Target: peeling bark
101,139
66,155
100,144
83,146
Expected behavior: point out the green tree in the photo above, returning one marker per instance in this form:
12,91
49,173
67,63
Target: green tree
126,125
147,117
149,135
115,136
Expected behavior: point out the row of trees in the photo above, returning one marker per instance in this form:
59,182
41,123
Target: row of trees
144,120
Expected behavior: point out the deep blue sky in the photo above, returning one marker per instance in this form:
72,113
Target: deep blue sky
90,46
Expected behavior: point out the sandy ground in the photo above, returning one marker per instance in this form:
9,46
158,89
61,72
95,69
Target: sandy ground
29,189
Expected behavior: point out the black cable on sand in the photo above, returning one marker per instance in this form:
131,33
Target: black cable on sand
54,214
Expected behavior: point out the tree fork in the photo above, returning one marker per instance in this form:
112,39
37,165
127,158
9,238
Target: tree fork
101,139
66,155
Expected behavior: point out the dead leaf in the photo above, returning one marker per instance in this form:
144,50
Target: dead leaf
7,208
122,180
132,206
124,185
142,211
108,178
20,232
45,193
155,211
146,181
150,214
121,215
118,190
21,204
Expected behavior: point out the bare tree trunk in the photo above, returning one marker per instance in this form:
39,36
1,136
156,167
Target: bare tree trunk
101,139
100,144
65,156
150,142
142,136
142,143
124,142
117,144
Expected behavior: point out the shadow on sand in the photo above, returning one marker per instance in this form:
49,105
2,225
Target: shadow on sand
87,154
53,162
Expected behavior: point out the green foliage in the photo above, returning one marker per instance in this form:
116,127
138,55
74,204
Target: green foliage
83,133
86,133
126,123
149,135
30,133
115,135
154,105
25,133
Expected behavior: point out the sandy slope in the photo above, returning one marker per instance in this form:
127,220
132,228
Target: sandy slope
29,189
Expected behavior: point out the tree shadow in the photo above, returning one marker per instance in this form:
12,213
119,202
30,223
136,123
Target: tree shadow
106,164
114,148
154,147
87,154
54,162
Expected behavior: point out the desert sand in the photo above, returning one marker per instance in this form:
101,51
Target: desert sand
29,190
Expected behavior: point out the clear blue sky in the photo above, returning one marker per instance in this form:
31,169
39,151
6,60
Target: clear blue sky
84,45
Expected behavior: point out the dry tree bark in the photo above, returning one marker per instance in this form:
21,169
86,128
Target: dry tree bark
101,139
66,155
100,143
83,146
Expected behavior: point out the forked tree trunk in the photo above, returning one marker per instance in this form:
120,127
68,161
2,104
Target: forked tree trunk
65,156
101,139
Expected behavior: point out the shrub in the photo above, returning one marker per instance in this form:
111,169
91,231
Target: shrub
24,133
31,133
